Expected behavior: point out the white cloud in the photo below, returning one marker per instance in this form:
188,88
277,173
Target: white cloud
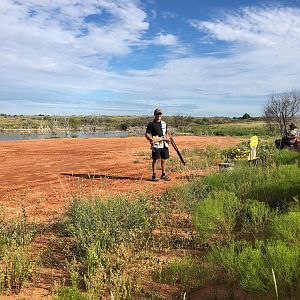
52,31
165,39
265,27
48,46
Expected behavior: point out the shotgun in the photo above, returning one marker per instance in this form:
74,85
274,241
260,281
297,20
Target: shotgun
177,150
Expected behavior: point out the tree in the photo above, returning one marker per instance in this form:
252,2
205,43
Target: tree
281,109
246,116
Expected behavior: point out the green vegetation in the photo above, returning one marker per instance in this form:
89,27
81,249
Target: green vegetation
219,126
187,272
216,215
16,264
231,229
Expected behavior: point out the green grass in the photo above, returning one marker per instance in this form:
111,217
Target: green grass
186,272
286,227
216,215
70,293
16,263
250,265
108,223
275,186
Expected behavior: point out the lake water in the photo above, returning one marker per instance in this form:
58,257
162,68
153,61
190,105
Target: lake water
16,136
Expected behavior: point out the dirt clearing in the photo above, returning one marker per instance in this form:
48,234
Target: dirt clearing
42,175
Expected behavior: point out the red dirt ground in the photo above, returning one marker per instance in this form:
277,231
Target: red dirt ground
33,172
42,175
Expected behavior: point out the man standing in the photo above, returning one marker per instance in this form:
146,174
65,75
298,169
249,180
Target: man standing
157,135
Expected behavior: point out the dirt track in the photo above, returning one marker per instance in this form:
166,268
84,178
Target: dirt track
41,175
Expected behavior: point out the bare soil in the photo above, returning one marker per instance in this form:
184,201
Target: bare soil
42,175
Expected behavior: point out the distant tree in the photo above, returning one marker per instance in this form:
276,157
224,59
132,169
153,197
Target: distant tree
281,109
246,116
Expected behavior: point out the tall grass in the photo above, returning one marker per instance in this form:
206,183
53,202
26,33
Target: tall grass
16,263
250,265
216,215
275,186
286,227
186,272
109,223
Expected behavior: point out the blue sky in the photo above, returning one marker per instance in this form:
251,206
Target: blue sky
126,57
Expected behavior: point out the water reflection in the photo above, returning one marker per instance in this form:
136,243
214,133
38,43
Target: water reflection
15,136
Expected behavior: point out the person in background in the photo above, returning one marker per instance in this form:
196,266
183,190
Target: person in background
157,135
293,135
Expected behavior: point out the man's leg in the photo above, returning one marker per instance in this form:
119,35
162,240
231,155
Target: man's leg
163,169
154,166
163,166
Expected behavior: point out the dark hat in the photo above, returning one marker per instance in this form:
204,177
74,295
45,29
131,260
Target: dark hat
157,111
292,126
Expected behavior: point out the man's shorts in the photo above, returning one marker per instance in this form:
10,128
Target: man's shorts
160,153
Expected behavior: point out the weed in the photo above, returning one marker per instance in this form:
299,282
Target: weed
217,215
255,215
70,293
17,267
286,227
105,224
186,272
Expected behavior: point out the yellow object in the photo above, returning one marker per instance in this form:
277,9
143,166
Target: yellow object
253,145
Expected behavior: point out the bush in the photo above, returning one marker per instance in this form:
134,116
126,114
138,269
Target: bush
251,265
16,268
255,215
286,227
217,215
105,224
284,259
186,272
286,156
275,186
70,293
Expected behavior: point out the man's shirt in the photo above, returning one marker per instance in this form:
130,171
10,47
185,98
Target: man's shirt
157,128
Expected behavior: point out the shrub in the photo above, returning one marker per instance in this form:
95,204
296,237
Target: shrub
251,265
217,214
186,272
70,293
284,259
255,215
105,224
16,268
276,186
286,156
286,227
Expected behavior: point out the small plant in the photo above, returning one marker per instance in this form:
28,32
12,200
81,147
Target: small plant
17,268
217,215
255,215
106,224
70,293
286,227
187,273
251,267
284,259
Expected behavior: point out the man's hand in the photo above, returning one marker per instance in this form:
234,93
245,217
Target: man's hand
157,139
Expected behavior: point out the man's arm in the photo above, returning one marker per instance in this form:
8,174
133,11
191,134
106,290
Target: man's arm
149,137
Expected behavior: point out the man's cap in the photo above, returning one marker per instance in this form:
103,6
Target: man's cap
293,126
157,111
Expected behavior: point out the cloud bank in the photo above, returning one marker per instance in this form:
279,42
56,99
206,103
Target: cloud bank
58,53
